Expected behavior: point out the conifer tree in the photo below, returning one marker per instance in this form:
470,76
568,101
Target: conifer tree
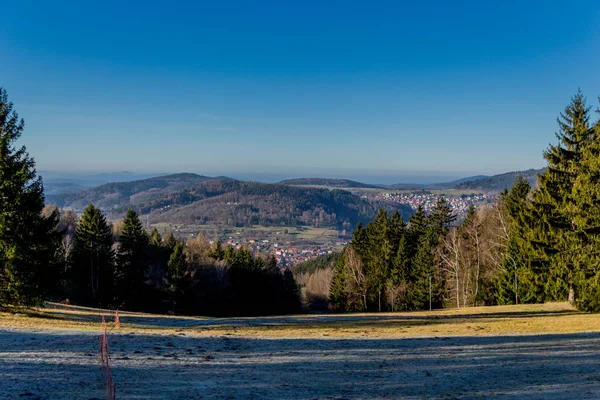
177,280
417,225
155,238
337,290
131,260
216,252
586,220
551,220
441,217
93,258
379,256
28,240
421,272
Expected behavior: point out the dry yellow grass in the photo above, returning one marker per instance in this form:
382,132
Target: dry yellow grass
477,321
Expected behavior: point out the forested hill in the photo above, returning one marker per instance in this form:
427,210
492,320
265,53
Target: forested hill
113,195
497,183
337,183
239,203
195,199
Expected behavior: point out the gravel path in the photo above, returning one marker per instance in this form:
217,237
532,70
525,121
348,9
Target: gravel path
43,364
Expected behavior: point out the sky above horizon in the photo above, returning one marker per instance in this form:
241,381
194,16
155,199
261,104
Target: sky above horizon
382,91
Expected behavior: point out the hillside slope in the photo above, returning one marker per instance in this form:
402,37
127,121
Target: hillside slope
196,199
497,183
337,183
114,195
239,203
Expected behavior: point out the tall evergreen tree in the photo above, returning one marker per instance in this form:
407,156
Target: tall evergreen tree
131,261
379,256
155,238
441,217
417,226
586,220
337,290
421,272
178,280
28,240
551,220
92,264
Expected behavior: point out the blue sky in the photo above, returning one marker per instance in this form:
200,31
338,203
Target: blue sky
382,91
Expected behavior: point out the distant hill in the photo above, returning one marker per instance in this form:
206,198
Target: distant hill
239,203
52,187
336,183
196,199
500,182
114,195
442,185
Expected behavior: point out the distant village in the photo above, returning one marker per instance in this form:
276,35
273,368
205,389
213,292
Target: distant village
289,253
459,204
286,254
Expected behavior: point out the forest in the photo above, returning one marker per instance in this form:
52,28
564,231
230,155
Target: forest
533,245
49,254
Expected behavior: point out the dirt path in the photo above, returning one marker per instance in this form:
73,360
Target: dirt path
49,364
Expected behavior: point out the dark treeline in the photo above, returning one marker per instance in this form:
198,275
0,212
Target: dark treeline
532,245
125,267
46,254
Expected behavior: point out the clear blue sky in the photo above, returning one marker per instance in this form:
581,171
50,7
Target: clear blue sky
385,90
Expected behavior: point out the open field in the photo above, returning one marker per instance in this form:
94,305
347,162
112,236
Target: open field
531,351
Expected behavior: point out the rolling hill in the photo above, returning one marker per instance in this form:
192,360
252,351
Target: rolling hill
497,183
329,182
196,199
439,186
114,195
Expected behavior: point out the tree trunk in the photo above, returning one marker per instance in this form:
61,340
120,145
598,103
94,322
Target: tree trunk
571,295
478,269
457,292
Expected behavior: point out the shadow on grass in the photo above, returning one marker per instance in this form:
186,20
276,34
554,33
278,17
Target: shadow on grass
171,366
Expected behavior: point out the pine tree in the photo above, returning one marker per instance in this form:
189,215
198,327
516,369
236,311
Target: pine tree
216,252
379,256
93,258
441,217
417,226
586,220
177,280
421,272
551,220
519,257
155,238
396,231
338,297
28,240
131,260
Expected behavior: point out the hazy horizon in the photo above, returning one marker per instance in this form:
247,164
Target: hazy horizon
415,177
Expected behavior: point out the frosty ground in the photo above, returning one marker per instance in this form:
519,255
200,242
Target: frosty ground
543,352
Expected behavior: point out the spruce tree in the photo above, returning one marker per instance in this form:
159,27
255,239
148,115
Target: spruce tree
131,261
551,220
421,272
92,265
417,226
177,281
519,257
28,240
586,220
337,290
441,217
155,238
216,252
379,256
